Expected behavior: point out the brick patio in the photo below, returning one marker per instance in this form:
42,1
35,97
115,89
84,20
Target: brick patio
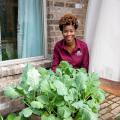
110,108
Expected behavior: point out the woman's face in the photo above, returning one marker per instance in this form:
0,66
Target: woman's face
69,33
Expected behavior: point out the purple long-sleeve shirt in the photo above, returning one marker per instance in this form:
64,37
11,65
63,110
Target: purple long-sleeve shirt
79,58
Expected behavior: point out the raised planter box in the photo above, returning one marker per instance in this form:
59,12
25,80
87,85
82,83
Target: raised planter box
34,117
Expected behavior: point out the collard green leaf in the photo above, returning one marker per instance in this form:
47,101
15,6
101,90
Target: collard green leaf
85,113
88,115
72,96
61,88
79,80
1,118
43,72
11,116
82,76
82,70
37,112
58,72
66,67
67,80
70,118
33,79
93,105
94,78
11,93
36,104
30,78
68,98
24,73
44,86
19,90
59,101
64,64
98,95
49,117
78,104
51,81
68,70
43,99
64,112
18,118
27,112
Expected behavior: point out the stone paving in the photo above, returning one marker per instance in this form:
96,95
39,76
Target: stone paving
110,108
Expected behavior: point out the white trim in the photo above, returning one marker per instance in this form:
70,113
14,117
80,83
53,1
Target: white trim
21,61
45,27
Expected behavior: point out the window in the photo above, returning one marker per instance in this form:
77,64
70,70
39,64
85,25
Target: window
22,31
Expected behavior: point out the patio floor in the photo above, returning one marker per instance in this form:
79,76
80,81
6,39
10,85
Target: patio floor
110,108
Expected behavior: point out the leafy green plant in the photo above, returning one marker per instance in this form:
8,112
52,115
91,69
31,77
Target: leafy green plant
66,94
1,118
12,116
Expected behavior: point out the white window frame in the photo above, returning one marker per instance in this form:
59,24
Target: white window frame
31,59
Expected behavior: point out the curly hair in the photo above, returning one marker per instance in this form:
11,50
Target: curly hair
68,19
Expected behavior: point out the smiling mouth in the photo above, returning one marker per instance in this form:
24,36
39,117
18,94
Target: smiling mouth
69,37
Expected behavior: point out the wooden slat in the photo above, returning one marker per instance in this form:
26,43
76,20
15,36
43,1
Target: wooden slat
8,106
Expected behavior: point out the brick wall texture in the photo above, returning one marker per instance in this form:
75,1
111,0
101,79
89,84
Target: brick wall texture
110,108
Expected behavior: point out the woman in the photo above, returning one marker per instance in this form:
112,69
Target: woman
70,49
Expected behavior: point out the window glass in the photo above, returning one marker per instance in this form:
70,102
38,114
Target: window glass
21,23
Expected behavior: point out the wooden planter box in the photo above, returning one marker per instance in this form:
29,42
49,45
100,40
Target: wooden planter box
34,117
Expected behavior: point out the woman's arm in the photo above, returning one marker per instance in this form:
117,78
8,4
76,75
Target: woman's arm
85,63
